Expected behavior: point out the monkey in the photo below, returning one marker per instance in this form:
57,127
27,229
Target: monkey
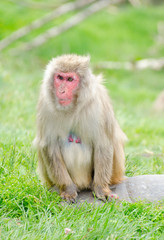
79,142
159,103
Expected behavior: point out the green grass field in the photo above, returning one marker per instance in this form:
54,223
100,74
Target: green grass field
27,209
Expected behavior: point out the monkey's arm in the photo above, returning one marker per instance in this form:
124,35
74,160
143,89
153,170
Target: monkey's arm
109,161
53,170
108,150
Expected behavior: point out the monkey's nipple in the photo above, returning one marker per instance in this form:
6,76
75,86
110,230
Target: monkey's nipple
70,139
78,140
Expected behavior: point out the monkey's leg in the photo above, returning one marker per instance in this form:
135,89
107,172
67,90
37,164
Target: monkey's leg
118,164
43,171
58,173
103,164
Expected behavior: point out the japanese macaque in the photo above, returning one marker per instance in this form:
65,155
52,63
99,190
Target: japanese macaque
80,144
159,103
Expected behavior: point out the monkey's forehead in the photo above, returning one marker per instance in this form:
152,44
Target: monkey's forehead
67,74
72,58
70,63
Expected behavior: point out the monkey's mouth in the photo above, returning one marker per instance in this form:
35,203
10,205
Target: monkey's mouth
65,101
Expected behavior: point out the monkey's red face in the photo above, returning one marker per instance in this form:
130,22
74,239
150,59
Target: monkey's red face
66,85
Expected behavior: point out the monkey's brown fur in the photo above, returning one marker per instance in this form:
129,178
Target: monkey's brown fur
159,103
99,160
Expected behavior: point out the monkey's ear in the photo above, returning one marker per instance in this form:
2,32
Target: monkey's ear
87,60
84,61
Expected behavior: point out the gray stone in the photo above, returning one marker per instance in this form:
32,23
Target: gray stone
132,189
145,188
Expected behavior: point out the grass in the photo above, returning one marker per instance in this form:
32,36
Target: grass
27,209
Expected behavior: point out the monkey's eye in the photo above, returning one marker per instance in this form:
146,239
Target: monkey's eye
69,79
60,77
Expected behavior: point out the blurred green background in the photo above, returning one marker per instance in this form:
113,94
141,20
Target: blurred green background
130,31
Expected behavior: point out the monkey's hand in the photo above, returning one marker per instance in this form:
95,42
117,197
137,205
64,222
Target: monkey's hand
69,193
104,193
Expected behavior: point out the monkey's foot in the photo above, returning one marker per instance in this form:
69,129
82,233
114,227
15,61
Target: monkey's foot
104,193
114,196
69,194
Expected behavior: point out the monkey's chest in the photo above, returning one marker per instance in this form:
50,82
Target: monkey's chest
78,160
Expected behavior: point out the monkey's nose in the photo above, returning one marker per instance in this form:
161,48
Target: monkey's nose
62,91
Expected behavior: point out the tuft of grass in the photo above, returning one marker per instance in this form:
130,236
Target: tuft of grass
137,220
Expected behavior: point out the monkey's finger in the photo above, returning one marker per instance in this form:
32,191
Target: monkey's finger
101,197
112,197
70,200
